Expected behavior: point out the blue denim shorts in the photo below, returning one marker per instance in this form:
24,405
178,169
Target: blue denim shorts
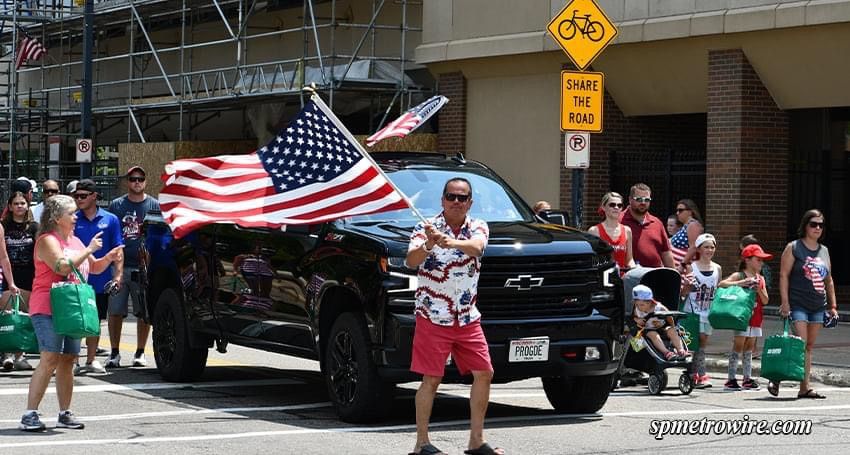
49,340
802,314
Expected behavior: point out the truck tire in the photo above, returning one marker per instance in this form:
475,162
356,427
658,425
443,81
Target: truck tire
175,359
353,383
578,395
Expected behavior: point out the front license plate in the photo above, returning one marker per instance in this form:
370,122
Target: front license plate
529,350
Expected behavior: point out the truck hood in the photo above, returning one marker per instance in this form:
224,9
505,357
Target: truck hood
506,239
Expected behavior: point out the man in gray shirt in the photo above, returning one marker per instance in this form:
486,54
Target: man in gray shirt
130,210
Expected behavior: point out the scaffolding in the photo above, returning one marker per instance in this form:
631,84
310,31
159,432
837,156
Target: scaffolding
178,70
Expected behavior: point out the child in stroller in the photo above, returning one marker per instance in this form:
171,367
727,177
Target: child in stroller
648,350
649,316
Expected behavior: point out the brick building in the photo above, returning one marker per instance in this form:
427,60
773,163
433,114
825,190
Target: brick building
740,105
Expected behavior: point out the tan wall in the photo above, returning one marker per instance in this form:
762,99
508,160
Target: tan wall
513,127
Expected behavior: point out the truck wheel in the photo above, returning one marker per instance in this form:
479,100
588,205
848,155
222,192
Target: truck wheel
578,395
354,386
175,360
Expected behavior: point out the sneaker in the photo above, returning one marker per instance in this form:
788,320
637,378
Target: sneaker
705,381
31,422
94,367
731,386
140,361
8,363
114,361
66,420
22,364
750,384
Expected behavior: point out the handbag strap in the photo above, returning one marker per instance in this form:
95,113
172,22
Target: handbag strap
16,305
76,271
787,327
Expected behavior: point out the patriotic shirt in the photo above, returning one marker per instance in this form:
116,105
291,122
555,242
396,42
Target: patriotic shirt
806,285
703,286
448,278
679,243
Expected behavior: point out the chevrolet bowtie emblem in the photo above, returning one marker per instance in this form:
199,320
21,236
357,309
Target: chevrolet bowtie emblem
524,282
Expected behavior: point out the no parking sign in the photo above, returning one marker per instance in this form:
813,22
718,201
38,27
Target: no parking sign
577,150
84,150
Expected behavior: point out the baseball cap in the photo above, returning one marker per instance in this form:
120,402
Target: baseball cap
86,185
704,238
22,184
755,250
135,169
72,186
641,292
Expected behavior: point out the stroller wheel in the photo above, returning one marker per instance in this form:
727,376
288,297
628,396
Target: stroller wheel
657,383
686,384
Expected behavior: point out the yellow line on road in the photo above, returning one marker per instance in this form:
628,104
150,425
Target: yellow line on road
128,347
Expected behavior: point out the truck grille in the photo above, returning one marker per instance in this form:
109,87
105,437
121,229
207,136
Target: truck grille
564,292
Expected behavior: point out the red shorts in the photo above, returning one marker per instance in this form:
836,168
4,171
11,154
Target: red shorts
432,344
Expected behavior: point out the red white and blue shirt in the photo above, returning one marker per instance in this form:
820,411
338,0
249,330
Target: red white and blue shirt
448,278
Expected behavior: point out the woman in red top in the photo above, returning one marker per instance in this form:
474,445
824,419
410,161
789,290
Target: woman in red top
56,251
615,233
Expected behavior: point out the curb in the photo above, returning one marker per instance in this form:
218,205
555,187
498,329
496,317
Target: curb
833,377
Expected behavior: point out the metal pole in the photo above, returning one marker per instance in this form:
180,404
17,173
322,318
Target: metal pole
577,196
88,43
13,101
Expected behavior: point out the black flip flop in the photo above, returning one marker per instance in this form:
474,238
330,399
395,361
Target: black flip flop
810,394
484,449
428,449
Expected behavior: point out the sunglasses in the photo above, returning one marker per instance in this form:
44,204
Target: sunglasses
49,191
615,205
642,200
136,179
680,210
82,195
815,225
451,197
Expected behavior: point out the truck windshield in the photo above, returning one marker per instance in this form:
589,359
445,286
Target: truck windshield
491,200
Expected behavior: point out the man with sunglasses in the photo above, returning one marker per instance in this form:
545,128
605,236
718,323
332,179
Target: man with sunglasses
90,221
131,210
49,188
447,251
650,245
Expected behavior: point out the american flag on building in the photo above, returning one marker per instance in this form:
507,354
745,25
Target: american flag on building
312,171
30,49
410,120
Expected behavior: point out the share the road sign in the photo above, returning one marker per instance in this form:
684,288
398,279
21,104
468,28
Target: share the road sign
581,101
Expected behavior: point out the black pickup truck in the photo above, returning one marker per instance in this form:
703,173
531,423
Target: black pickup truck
339,293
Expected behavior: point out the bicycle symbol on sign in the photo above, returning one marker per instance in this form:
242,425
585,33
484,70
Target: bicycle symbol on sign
594,30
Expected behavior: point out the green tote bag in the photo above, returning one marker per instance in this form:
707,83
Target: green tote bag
689,328
74,308
783,357
16,331
732,308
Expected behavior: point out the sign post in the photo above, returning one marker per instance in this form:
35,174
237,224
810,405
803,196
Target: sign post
583,31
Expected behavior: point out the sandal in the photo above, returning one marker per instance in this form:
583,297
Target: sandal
428,449
670,355
485,449
773,388
810,394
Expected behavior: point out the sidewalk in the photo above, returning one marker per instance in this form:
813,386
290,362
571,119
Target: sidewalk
831,358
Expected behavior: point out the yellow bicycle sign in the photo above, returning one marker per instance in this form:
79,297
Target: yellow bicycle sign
582,30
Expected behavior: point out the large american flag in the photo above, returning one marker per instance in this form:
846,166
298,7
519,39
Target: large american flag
410,120
30,49
312,171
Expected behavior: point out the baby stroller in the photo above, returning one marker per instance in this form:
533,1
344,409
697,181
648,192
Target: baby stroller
665,284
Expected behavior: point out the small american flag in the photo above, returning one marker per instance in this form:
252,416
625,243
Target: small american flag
410,120
30,49
312,171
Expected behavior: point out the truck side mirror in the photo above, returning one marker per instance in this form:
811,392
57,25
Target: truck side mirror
555,217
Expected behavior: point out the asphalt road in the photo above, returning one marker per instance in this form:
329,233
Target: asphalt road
254,402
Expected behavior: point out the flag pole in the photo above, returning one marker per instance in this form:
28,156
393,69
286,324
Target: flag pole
324,107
